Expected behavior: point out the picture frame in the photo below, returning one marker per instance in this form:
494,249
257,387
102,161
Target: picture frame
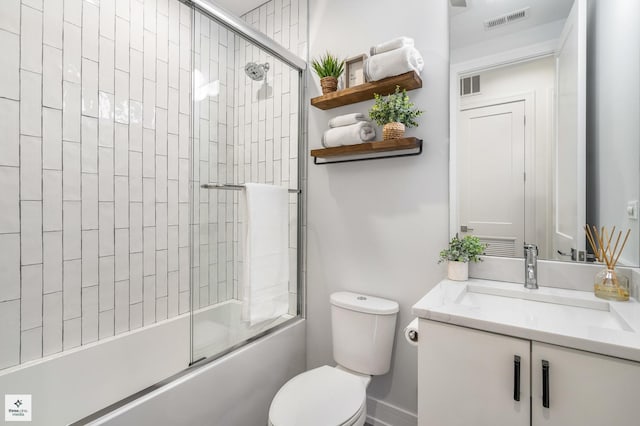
354,71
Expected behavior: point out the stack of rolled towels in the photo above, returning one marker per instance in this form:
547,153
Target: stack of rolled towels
393,57
349,129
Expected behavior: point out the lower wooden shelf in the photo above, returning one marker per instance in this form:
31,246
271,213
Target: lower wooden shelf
336,154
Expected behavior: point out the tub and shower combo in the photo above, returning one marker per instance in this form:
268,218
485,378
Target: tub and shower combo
132,278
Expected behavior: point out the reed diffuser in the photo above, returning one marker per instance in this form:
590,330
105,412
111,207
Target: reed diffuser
607,283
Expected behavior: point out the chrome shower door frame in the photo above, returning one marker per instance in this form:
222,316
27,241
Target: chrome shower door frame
245,31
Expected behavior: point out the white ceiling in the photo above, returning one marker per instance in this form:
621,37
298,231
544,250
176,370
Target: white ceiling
467,23
237,7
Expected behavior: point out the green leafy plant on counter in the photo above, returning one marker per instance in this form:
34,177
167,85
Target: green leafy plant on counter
467,249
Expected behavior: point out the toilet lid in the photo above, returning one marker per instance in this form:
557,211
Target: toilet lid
319,397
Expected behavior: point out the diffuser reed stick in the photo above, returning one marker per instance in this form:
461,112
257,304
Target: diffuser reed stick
600,242
622,248
593,244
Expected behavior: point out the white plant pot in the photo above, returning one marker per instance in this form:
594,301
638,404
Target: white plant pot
458,271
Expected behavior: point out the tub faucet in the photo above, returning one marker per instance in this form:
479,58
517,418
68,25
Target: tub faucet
531,266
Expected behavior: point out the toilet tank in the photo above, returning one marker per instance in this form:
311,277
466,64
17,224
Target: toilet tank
363,328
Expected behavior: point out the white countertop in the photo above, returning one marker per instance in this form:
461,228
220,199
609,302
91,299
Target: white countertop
571,318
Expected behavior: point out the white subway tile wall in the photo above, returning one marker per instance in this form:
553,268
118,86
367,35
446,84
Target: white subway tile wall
266,121
96,114
234,140
88,224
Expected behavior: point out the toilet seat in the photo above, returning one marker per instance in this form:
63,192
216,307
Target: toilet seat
320,397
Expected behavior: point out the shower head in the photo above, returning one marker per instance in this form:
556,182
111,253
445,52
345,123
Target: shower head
255,71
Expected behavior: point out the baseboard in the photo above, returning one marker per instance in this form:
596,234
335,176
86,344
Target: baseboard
380,413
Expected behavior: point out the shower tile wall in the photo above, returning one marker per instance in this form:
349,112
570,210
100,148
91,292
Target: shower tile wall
213,233
94,160
253,141
267,127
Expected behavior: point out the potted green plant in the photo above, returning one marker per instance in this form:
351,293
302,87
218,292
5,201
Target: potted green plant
329,68
458,255
394,112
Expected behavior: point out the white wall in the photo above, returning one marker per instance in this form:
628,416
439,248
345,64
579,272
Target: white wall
376,227
232,391
612,117
538,34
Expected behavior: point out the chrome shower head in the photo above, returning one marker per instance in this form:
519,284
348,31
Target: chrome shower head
255,71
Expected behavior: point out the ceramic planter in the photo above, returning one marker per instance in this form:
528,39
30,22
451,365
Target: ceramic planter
458,271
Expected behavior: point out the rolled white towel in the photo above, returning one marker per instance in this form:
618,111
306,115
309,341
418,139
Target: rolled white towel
354,134
347,119
394,62
396,43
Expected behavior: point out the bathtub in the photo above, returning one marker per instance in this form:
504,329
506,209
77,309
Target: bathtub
218,328
74,384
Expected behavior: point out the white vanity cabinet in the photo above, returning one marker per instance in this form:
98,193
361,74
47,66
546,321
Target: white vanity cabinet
466,377
471,377
585,389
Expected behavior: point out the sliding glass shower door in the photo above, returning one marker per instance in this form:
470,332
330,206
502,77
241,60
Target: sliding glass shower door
245,129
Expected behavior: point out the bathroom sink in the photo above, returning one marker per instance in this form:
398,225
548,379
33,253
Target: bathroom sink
545,295
543,308
559,316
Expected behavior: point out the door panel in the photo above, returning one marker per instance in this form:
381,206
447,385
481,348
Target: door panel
491,175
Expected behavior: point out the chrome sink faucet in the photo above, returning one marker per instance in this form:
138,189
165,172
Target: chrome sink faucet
531,266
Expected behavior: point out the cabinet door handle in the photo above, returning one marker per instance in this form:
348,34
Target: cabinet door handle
516,378
545,383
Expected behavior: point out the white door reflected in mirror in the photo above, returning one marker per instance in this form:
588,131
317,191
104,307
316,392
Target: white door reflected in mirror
491,142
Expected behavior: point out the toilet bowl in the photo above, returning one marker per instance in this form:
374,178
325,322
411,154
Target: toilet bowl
321,397
363,328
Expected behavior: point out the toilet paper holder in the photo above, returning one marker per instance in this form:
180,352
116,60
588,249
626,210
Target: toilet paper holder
411,332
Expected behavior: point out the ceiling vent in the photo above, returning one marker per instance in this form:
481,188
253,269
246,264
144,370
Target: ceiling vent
507,18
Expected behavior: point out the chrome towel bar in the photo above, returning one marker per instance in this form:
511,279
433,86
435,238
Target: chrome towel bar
235,187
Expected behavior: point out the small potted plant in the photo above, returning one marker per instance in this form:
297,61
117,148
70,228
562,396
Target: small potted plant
329,68
394,113
458,255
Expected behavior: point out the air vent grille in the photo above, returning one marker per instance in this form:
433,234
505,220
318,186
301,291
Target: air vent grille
506,18
470,85
499,247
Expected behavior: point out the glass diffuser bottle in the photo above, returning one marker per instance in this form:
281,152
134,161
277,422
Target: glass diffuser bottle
608,284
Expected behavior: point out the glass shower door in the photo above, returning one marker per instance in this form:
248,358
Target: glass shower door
245,128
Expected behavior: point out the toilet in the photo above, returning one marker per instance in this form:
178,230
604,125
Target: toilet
363,328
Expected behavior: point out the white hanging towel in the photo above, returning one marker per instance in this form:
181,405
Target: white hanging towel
265,286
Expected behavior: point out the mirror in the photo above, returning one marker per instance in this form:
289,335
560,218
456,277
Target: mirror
545,124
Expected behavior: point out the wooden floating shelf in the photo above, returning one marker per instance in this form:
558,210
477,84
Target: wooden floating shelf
364,92
368,148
